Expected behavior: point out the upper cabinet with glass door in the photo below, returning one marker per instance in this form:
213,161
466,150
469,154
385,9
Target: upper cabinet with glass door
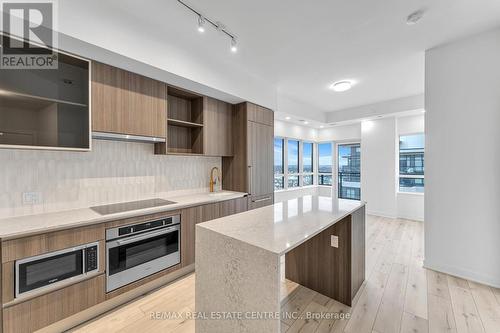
45,108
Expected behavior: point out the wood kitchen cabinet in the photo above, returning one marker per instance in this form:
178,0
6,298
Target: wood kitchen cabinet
259,114
260,139
250,170
194,215
127,103
218,128
235,206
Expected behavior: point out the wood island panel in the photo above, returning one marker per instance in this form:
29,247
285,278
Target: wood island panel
334,272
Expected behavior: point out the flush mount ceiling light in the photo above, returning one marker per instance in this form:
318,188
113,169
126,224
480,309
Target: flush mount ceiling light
341,86
217,25
414,17
288,118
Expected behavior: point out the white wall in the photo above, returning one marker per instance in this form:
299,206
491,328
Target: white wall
289,130
341,133
462,202
378,166
410,205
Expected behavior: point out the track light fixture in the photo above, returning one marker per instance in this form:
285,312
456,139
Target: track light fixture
219,26
201,24
234,45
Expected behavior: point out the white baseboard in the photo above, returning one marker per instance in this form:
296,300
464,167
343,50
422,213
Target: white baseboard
409,217
464,274
381,214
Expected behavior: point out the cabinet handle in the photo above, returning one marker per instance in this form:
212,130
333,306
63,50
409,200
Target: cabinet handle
249,179
262,199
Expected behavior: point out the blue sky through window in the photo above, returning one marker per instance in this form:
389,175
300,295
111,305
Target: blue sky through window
325,157
293,156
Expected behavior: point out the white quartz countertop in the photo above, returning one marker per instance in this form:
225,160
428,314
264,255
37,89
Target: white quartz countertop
21,226
283,226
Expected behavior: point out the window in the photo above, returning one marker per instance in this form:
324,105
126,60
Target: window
325,164
411,163
307,163
293,181
293,156
279,169
293,163
349,176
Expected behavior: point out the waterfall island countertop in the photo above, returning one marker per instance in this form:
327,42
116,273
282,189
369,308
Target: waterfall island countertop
238,260
281,227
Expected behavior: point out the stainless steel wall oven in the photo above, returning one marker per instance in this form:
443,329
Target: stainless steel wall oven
136,251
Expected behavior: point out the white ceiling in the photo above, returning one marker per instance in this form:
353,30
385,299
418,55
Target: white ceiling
298,46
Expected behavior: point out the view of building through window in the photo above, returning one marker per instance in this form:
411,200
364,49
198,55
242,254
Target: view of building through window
411,163
325,163
294,165
279,163
349,171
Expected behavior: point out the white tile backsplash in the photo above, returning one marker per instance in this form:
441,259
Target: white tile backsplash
112,172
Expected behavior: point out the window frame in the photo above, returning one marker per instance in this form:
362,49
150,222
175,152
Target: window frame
336,159
303,173
333,145
286,174
283,163
399,175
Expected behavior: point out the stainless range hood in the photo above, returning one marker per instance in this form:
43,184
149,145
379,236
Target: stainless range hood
126,137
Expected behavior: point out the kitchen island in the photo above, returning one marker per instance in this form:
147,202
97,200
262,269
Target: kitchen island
238,270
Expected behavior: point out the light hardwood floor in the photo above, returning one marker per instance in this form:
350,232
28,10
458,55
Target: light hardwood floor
399,295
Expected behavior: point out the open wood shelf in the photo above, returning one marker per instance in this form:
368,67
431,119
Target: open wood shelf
32,101
182,123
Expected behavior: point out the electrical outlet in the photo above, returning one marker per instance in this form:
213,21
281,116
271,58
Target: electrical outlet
32,198
335,241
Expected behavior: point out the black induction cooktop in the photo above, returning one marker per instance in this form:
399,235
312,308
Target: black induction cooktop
131,205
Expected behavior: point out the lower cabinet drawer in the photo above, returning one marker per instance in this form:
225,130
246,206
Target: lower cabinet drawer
260,201
44,310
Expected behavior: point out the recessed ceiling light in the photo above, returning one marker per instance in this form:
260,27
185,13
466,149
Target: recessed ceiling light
414,17
288,118
321,126
341,86
306,122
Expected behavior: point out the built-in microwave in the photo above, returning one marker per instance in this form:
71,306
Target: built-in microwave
49,269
